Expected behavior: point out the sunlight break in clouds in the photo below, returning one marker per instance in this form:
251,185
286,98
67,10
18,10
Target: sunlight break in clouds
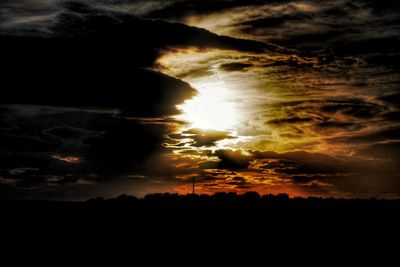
210,109
294,119
123,96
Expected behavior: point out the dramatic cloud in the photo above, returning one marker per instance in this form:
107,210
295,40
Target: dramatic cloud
48,142
109,97
345,27
205,137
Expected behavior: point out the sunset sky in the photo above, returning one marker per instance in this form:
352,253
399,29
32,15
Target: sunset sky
110,97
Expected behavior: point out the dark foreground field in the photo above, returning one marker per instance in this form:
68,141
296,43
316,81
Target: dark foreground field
203,225
167,208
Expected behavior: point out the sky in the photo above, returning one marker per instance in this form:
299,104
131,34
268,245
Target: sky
111,97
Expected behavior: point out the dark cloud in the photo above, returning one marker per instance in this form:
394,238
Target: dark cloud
205,137
67,133
275,21
364,28
25,143
288,164
393,98
235,66
301,162
353,107
51,142
330,115
392,116
372,136
134,92
343,125
182,9
77,19
232,159
389,151
238,182
290,62
293,120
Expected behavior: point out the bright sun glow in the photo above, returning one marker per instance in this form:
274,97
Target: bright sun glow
210,109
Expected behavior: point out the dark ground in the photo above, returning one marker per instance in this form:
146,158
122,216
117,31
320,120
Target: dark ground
228,208
221,228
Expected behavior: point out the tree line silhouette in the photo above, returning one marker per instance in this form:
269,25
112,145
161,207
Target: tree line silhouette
221,200
249,200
